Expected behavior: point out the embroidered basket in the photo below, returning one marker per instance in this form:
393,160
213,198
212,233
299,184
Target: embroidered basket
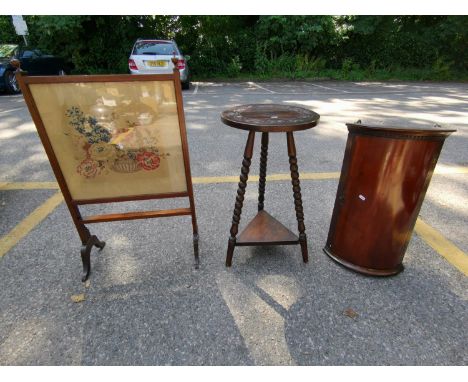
126,165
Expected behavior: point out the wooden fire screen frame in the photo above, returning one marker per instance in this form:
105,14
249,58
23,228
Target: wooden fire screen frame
87,239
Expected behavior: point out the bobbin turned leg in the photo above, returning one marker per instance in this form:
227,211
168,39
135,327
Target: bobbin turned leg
297,195
240,196
263,168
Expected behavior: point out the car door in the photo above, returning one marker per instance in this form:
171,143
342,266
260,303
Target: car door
28,61
48,64
38,64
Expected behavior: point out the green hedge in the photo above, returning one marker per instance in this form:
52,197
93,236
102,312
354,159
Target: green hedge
348,47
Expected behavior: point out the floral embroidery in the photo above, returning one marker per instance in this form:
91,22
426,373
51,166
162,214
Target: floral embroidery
102,151
88,126
148,160
88,168
126,149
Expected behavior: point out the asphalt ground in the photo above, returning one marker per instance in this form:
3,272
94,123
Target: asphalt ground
145,303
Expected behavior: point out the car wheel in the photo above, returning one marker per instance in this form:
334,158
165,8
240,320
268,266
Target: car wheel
186,85
11,84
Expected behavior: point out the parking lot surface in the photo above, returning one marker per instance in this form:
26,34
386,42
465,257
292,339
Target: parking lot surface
145,304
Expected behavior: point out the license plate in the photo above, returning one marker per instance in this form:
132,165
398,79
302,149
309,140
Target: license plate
157,63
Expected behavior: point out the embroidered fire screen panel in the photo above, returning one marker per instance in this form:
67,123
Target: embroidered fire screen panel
114,139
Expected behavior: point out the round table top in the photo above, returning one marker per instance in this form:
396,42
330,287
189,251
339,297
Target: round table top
270,118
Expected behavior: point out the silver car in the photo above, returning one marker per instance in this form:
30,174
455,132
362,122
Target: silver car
154,57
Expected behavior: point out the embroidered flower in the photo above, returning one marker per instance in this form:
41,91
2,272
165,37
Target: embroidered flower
87,126
148,160
101,151
88,168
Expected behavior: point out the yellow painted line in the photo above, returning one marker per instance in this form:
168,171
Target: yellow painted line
28,186
26,225
273,177
220,179
318,175
434,238
442,246
440,170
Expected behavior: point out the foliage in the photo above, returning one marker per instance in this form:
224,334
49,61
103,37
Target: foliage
94,44
407,41
297,34
234,67
7,50
7,31
304,63
429,47
220,39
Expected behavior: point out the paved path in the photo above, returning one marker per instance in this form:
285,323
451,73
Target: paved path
145,303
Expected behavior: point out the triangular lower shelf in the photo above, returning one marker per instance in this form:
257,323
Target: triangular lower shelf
264,229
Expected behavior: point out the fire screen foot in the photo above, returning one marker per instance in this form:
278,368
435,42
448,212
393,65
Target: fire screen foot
86,254
195,250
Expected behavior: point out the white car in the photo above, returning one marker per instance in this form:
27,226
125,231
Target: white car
154,57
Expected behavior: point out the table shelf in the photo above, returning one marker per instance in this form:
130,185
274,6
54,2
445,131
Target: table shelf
264,229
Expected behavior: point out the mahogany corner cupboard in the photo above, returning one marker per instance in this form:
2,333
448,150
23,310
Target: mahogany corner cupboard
385,174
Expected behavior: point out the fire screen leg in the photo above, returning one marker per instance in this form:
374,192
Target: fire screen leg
195,249
194,229
86,254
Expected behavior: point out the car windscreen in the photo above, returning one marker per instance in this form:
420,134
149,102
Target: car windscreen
7,50
154,47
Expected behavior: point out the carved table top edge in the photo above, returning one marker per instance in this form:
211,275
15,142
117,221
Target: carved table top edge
270,118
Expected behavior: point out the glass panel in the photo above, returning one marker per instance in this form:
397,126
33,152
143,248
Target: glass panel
114,139
154,48
28,54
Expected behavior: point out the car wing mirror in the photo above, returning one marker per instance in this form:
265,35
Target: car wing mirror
15,63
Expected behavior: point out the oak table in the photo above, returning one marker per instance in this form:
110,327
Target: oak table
267,118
